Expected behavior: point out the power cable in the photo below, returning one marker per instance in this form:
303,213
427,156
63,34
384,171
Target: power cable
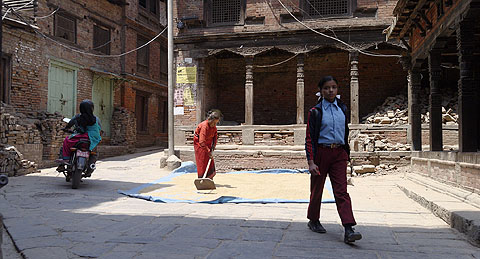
46,16
83,52
279,63
336,39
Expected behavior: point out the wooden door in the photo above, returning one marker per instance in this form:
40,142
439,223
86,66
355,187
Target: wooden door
102,97
61,90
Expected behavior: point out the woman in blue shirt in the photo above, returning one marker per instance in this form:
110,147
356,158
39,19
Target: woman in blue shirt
327,150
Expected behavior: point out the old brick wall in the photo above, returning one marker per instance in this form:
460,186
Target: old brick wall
151,82
274,89
124,130
376,13
26,65
379,78
229,88
326,62
87,14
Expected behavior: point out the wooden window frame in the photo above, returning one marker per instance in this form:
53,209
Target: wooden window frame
145,13
305,5
162,115
67,16
143,68
102,47
6,78
163,62
208,12
143,128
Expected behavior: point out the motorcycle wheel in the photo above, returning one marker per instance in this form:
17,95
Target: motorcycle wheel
76,177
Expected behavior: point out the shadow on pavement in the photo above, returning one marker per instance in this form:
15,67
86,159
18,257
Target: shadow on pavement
47,219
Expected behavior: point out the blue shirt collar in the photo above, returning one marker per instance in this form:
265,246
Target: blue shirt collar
327,104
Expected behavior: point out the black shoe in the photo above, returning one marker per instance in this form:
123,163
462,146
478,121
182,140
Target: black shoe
351,236
315,226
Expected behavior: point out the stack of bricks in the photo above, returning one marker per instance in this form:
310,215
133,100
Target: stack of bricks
50,126
270,138
15,129
123,128
12,163
229,138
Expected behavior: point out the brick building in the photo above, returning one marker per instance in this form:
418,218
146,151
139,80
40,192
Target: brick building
260,61
57,53
264,33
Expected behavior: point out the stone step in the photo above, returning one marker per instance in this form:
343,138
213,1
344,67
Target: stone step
457,207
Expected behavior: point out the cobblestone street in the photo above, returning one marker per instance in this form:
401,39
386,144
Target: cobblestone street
47,219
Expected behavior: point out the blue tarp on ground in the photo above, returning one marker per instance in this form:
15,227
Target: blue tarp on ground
190,168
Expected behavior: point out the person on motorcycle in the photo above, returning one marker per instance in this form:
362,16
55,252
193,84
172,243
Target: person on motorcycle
85,126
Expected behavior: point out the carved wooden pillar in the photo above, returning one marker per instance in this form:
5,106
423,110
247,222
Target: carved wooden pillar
435,100
477,82
200,93
300,89
354,89
467,108
249,90
414,110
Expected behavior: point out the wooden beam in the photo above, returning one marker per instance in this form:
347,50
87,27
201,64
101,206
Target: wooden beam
425,18
412,16
423,32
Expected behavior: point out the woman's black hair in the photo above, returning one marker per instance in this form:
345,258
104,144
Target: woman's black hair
326,79
214,114
86,114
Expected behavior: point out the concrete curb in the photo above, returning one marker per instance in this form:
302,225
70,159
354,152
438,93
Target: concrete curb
459,215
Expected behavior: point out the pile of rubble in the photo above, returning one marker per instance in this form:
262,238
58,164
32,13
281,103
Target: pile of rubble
374,142
16,129
394,110
50,126
12,162
366,170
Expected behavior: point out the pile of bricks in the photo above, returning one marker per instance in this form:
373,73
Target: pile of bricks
374,142
124,128
50,126
16,129
12,163
232,138
270,138
394,110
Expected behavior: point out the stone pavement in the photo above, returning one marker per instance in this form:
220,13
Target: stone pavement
47,219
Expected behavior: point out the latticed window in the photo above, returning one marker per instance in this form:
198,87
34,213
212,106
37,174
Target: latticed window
328,8
226,12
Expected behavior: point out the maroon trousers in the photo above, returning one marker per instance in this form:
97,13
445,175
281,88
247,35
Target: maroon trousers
331,161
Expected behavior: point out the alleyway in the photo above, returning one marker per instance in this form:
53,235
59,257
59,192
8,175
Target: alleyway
47,219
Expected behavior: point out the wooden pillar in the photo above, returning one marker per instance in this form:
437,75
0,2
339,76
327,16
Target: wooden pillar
354,89
300,89
414,110
435,100
200,93
249,90
467,108
477,86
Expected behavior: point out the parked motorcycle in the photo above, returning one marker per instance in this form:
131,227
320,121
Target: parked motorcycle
80,165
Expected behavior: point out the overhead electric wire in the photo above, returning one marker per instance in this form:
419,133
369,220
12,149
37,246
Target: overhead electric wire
46,16
336,39
80,51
